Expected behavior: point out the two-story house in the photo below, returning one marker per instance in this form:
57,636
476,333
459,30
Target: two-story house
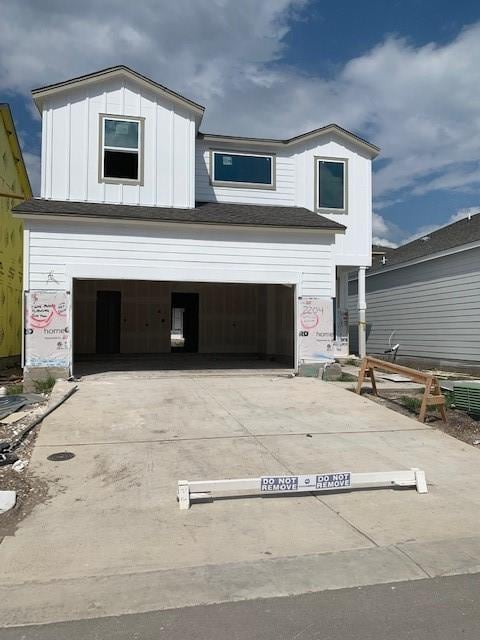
151,237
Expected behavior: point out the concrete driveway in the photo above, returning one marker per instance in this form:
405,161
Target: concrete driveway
110,539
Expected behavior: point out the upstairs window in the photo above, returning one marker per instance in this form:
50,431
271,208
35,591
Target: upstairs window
121,149
331,185
242,169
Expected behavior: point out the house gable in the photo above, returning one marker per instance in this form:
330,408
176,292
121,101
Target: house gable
72,155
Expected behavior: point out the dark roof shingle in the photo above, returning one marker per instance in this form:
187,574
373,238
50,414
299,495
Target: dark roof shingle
453,235
203,213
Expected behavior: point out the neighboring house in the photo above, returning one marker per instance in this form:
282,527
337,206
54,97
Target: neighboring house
427,293
143,218
14,187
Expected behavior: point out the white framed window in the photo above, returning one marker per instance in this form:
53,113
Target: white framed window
331,181
121,149
242,169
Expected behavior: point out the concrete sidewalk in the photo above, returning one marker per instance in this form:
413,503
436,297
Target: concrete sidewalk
111,539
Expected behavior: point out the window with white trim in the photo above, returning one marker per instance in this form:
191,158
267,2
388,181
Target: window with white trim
121,149
331,184
243,169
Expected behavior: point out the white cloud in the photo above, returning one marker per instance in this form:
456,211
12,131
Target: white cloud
420,104
384,242
379,224
384,232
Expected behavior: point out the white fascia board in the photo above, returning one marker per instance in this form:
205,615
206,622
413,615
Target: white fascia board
272,143
195,225
180,274
432,256
40,94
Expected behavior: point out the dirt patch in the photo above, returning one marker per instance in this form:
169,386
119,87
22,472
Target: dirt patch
459,424
30,490
11,377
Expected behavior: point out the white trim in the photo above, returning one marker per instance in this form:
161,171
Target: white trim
432,256
317,133
234,183
296,294
69,283
176,274
41,93
128,221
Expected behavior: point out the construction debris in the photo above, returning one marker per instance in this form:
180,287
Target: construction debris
19,465
10,404
57,398
7,500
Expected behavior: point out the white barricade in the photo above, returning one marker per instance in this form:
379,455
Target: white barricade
266,485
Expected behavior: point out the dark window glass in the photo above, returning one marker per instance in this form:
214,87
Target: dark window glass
331,177
234,168
120,164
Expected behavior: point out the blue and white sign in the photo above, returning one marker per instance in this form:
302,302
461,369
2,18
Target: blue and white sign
279,483
333,480
311,482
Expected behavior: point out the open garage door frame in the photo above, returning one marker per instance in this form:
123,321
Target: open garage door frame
269,301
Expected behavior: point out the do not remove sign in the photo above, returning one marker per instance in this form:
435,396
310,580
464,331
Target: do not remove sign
311,482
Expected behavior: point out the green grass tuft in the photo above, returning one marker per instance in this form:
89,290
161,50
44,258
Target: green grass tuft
44,386
15,389
411,403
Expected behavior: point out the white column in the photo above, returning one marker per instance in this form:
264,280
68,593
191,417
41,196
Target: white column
362,306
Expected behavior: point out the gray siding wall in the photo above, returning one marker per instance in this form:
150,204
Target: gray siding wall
433,307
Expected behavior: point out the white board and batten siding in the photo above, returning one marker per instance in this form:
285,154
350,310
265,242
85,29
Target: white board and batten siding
70,146
176,252
433,307
295,186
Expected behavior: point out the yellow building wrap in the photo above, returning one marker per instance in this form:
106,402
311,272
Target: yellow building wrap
14,187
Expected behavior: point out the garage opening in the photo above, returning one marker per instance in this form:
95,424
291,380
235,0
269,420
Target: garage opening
150,325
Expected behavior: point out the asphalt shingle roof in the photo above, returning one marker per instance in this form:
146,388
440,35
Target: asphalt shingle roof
203,213
452,235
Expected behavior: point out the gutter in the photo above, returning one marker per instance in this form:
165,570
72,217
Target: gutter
86,217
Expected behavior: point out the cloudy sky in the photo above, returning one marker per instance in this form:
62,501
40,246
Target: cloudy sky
404,74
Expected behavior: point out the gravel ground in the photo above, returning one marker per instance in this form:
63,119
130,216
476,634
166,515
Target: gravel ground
30,490
459,424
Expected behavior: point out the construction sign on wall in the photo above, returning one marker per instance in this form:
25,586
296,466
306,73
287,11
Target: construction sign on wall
315,320
47,329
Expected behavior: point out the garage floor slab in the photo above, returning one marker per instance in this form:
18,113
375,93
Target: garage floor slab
111,521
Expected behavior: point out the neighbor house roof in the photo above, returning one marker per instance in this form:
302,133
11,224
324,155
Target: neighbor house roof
112,72
203,213
6,116
275,142
379,249
462,232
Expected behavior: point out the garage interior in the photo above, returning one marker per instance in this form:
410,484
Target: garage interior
150,325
